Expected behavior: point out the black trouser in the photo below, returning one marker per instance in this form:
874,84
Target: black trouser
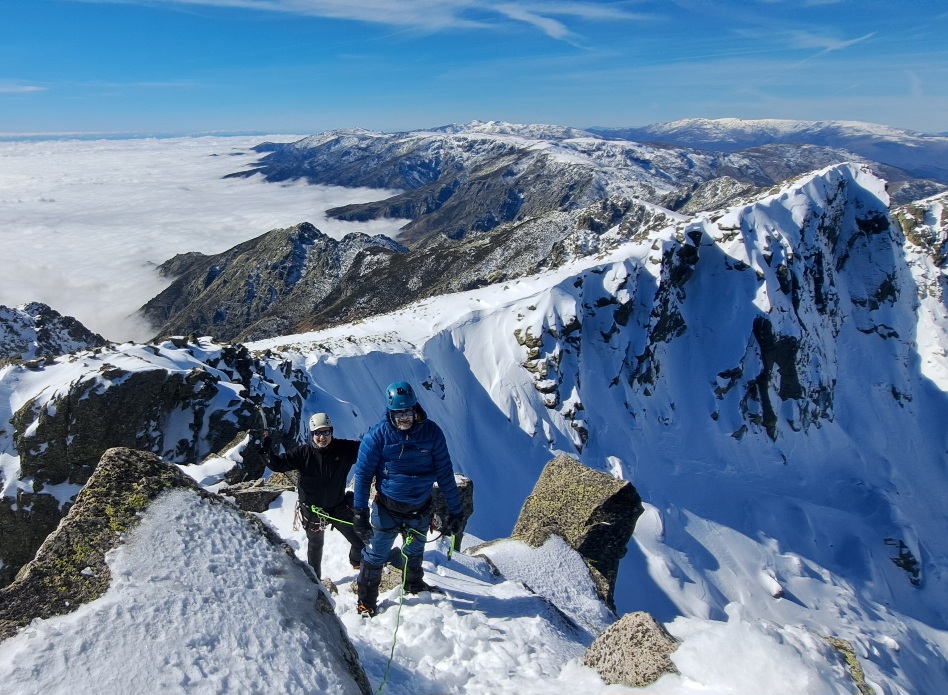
315,526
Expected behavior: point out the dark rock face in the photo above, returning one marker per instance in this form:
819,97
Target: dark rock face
75,428
35,330
25,522
69,569
262,287
633,651
593,512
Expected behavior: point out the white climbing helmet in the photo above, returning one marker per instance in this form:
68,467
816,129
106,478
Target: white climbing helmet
319,421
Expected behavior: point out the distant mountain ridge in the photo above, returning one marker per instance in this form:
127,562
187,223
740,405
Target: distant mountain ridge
920,154
486,202
466,179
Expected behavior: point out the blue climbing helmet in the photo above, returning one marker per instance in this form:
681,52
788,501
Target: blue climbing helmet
400,396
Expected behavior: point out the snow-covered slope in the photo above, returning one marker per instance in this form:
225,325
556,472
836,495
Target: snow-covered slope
766,376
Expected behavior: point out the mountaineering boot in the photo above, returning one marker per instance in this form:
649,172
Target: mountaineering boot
415,576
370,576
355,557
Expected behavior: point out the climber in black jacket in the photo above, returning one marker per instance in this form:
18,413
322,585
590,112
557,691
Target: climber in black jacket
324,465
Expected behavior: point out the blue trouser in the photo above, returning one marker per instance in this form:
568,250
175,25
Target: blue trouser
387,527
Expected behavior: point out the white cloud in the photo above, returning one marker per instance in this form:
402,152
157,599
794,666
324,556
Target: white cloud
826,44
548,26
427,15
86,222
8,88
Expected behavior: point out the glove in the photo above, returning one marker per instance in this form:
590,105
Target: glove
453,524
362,525
265,444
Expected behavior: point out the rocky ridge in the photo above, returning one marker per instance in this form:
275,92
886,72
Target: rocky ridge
261,287
35,330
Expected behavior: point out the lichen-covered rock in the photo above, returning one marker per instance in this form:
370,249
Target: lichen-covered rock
69,568
134,494
633,651
593,512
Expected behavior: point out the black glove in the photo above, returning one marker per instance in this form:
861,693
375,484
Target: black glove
362,525
453,524
264,442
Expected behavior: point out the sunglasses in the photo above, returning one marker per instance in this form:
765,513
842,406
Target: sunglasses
322,433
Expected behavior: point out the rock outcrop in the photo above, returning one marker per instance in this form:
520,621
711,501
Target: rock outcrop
593,512
440,506
69,568
60,440
255,495
633,651
34,330
260,288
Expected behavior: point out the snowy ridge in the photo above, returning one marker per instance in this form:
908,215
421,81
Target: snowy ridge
35,330
920,154
753,371
777,128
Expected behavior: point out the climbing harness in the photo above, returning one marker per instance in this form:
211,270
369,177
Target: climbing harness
318,522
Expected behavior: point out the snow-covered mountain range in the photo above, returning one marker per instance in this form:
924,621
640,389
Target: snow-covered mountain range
920,154
472,178
483,202
772,376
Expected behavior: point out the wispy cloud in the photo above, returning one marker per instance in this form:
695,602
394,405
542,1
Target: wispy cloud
825,44
10,88
429,15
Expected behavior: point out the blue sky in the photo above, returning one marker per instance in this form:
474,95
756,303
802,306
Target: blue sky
305,66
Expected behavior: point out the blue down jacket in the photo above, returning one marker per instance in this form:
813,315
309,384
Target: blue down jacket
405,465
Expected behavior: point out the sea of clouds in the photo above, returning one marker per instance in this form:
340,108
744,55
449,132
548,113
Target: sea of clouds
84,223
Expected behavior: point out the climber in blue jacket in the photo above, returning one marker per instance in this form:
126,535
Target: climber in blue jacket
404,454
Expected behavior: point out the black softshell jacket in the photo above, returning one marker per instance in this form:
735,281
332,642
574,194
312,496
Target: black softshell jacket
323,472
